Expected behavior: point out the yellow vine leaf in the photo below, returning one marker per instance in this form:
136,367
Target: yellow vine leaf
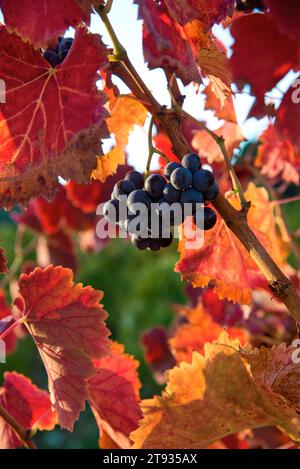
126,112
217,394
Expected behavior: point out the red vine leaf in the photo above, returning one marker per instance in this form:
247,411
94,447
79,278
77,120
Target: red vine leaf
27,404
43,134
39,22
157,352
231,275
67,325
277,156
6,319
176,37
277,371
222,311
255,60
213,396
288,115
114,395
57,249
286,16
209,149
163,143
61,214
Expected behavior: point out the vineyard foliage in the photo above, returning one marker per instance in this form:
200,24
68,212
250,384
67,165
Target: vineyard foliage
197,347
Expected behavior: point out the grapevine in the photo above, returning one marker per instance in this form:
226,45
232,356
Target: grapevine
147,242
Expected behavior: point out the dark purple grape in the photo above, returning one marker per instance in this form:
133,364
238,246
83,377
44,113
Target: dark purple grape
212,193
193,197
181,178
62,55
210,218
140,243
170,167
166,242
123,188
65,44
154,244
171,194
191,162
203,180
111,211
154,186
52,57
136,178
138,197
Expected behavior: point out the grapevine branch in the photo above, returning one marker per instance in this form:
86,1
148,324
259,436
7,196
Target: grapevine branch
23,434
170,122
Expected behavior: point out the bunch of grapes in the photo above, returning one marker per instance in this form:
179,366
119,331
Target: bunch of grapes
249,5
57,55
185,183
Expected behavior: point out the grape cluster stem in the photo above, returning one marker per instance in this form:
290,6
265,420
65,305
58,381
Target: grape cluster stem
152,149
169,120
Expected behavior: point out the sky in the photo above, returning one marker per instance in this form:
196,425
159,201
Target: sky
123,17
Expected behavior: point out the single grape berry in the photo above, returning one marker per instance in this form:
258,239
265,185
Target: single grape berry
192,197
136,178
203,180
166,242
111,211
154,244
62,55
138,196
140,243
65,44
154,186
169,168
212,193
181,178
170,194
191,162
52,57
123,188
210,218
